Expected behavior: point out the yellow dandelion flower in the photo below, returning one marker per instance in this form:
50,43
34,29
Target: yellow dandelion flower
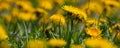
4,45
3,34
98,43
58,18
95,7
9,1
57,42
4,5
76,46
111,3
93,31
27,16
77,12
25,5
35,44
47,4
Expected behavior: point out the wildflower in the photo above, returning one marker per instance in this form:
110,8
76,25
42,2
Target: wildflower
93,31
93,7
76,46
35,44
4,5
3,34
47,4
98,43
27,16
111,6
57,42
111,3
58,18
76,12
4,44
25,6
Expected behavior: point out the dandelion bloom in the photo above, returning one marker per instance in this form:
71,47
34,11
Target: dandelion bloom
111,6
111,3
57,42
27,16
3,34
25,5
95,7
98,43
58,18
75,11
76,46
46,4
4,5
35,44
93,31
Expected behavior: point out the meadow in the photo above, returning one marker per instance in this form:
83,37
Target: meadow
59,23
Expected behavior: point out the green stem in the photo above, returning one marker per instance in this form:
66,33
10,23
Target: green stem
70,35
26,32
60,31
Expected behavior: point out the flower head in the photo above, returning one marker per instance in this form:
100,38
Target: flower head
46,4
3,34
76,46
93,31
98,43
25,6
35,44
27,16
4,5
75,11
57,42
93,7
58,18
111,3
